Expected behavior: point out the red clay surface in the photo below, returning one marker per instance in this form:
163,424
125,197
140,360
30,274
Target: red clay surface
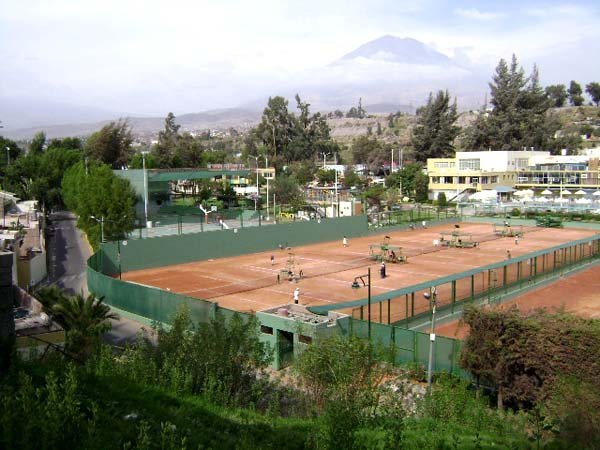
249,282
578,294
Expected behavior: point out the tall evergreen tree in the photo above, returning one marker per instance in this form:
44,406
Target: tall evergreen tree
575,94
36,146
111,145
168,140
435,132
518,117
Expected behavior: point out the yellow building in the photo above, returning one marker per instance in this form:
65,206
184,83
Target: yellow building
470,172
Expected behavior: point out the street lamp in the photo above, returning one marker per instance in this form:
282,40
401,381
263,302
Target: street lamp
144,153
8,156
337,200
432,297
267,177
325,155
255,198
356,285
101,222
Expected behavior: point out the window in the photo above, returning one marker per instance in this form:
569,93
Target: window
441,165
266,330
304,339
494,179
522,163
469,164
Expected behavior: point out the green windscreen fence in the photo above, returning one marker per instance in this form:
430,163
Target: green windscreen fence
402,346
122,256
146,301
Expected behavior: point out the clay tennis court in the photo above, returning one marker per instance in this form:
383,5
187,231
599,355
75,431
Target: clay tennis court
249,283
578,294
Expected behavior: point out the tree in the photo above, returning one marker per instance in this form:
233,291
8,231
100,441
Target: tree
326,176
276,128
84,319
310,135
351,179
408,177
9,152
557,94
593,90
69,143
338,114
303,171
435,131
421,187
575,94
96,191
287,191
39,176
36,146
189,152
168,140
373,195
352,113
111,145
525,356
287,137
518,117
341,378
362,147
441,200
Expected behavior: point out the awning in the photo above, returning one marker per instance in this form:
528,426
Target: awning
504,189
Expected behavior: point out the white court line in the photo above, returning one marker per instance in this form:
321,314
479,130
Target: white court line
237,297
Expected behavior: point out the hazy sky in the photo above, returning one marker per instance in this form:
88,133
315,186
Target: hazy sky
154,56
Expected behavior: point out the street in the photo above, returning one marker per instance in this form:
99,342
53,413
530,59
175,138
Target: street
68,251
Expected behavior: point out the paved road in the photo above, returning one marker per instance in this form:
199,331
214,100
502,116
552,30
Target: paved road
68,251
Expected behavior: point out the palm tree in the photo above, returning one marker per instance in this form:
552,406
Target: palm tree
84,319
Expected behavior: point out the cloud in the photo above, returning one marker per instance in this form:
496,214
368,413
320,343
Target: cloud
475,14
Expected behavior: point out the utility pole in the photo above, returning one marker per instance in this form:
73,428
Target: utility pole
337,200
266,167
432,297
257,191
145,187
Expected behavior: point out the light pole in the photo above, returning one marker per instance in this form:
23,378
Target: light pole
144,153
432,297
337,200
356,285
8,156
101,222
256,198
325,155
266,167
